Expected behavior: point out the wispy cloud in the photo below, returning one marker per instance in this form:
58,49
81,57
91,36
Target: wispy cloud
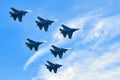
89,67
104,30
87,64
34,57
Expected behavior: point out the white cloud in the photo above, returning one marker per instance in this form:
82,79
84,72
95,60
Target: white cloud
94,68
35,56
103,27
109,29
86,64
106,60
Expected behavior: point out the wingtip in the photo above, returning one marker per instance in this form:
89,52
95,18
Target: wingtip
60,57
36,50
46,30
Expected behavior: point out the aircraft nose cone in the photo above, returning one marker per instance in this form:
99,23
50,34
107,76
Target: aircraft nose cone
50,21
41,42
61,65
25,12
53,21
76,29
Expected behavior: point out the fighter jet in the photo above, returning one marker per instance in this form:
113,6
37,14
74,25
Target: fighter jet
67,31
58,51
18,14
52,66
33,44
44,23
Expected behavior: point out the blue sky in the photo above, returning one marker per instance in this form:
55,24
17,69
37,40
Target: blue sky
95,48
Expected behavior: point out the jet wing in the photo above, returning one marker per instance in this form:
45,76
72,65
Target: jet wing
41,19
15,10
20,17
31,41
55,70
60,55
36,48
64,34
70,35
65,27
46,27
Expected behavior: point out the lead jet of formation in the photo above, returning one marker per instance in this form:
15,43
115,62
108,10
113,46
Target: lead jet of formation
58,51
52,66
44,23
67,31
18,14
33,44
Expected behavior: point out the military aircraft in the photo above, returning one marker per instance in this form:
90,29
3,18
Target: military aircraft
52,66
33,44
58,51
67,31
44,23
18,14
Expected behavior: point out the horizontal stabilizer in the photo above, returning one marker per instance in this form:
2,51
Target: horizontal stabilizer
13,15
62,32
28,45
53,52
48,67
39,25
